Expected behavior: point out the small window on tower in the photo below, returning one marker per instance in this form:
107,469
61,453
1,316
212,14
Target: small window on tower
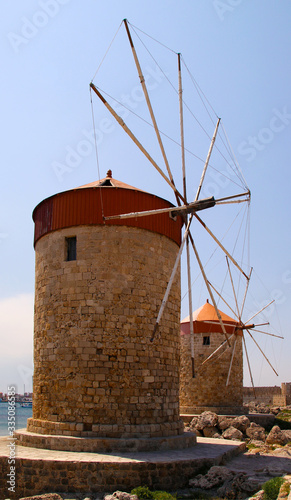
71,248
206,340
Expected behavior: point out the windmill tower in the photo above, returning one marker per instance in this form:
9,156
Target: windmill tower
217,386
98,286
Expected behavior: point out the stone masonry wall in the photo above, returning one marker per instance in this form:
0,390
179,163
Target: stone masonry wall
263,394
96,371
208,389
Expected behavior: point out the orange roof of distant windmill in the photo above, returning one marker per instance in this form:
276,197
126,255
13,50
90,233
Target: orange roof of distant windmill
205,320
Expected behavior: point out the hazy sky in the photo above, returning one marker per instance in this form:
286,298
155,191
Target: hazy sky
238,52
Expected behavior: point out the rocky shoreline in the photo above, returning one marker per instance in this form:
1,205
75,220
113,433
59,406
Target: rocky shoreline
268,456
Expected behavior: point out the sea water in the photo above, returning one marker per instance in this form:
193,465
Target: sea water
21,416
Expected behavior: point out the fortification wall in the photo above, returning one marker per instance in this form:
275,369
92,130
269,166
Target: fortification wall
263,394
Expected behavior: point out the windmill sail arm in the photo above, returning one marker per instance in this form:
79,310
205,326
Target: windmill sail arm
221,246
208,287
207,160
174,270
262,352
182,210
134,139
149,105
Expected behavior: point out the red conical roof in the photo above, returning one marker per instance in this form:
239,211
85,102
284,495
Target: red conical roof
91,203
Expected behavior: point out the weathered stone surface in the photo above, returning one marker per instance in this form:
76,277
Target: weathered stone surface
241,423
287,433
238,486
120,495
96,373
224,423
206,419
256,432
276,436
232,433
211,432
193,422
258,496
46,496
216,476
214,394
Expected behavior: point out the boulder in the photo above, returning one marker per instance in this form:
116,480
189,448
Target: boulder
276,436
256,431
260,495
224,423
206,419
287,433
216,476
45,496
238,486
211,432
232,433
193,422
241,423
120,495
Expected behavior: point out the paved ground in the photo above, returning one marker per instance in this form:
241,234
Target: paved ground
209,448
260,464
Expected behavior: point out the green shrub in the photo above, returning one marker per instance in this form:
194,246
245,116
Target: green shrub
143,493
271,488
163,495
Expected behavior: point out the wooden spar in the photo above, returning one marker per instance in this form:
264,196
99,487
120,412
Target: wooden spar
190,307
223,201
246,291
185,197
209,322
149,105
267,333
220,200
191,207
263,308
249,366
221,246
182,126
208,287
216,350
220,296
207,160
134,139
262,352
174,270
231,361
231,202
195,206
232,284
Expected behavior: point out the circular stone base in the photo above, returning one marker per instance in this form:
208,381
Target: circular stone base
103,445
80,475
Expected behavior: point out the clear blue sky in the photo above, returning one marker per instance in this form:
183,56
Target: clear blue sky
238,51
